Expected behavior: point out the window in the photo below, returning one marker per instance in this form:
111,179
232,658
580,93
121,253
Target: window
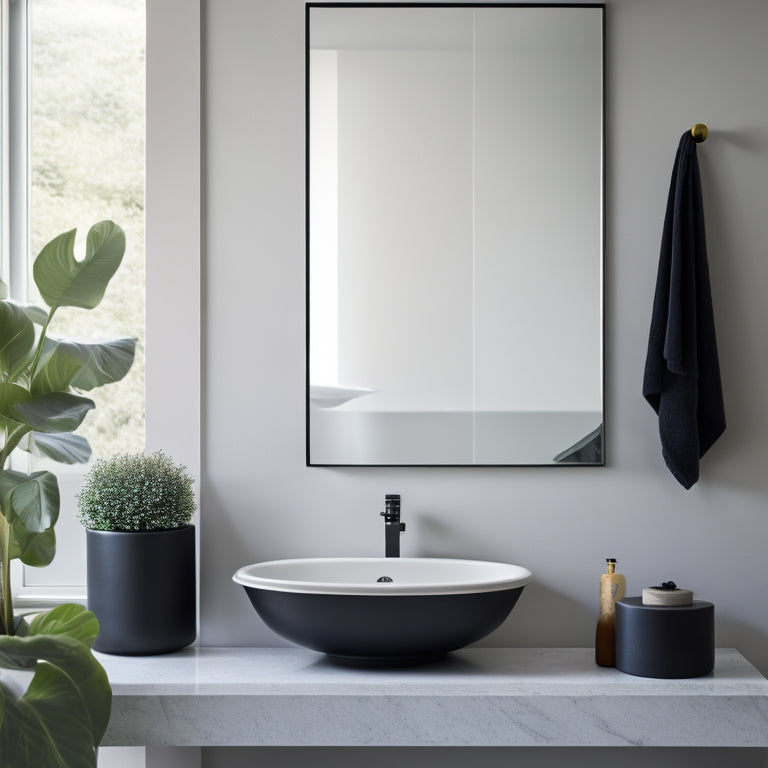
86,100
76,156
74,106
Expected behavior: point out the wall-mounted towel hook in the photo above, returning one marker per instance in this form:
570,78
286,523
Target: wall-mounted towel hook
700,132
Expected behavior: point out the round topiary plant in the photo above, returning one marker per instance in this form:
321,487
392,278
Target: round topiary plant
134,492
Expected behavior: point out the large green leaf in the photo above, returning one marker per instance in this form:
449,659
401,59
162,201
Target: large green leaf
30,503
74,622
84,366
35,314
10,396
31,547
34,503
57,367
63,447
105,363
17,339
69,619
35,549
53,412
48,726
9,480
63,281
63,714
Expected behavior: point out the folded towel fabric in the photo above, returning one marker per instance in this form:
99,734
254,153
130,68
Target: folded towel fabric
682,372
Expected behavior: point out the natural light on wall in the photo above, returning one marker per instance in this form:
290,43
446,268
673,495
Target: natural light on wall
86,86
324,194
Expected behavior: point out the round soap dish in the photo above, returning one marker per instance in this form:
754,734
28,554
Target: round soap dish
666,596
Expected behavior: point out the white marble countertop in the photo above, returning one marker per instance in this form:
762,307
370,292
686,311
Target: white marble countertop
475,697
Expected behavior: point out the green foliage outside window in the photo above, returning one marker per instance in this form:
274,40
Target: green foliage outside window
87,164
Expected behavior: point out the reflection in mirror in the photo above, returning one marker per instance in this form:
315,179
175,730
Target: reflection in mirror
455,239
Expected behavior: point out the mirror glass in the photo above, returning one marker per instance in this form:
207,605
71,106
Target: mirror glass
455,235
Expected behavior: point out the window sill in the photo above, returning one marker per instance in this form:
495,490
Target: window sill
47,600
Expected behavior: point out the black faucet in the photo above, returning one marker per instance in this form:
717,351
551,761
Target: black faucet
392,525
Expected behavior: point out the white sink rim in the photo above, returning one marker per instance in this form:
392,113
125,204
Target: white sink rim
358,576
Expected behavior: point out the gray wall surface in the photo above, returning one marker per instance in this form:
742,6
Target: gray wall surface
669,63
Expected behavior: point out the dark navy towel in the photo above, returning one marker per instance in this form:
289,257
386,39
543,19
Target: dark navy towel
682,373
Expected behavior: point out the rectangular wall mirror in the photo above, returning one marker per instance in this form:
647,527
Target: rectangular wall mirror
455,235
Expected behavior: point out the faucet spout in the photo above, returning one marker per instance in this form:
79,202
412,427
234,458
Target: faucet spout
392,525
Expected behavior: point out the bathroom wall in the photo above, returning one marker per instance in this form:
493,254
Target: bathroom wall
669,63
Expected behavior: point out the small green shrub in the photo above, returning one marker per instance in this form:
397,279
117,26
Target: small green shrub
134,492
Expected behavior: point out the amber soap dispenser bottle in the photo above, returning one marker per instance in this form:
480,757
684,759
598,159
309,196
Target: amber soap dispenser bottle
613,587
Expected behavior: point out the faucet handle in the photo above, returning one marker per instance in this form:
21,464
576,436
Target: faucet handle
391,511
389,518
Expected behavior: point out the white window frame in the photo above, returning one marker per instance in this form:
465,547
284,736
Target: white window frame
4,143
172,224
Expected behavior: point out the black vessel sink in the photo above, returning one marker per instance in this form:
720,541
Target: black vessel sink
383,610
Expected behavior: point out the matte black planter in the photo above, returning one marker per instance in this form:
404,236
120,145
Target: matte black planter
141,586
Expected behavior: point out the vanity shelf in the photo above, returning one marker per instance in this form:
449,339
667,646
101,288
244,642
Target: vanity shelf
530,697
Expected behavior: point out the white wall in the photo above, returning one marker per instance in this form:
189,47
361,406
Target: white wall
538,243
324,202
670,63
405,241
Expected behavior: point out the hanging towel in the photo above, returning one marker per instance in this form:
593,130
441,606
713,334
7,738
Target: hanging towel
682,373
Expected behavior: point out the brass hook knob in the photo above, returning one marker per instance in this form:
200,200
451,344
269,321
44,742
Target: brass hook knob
699,132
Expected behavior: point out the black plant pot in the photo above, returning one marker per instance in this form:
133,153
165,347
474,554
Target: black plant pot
141,586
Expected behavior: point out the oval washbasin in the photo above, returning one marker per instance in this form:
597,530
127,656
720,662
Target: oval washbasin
383,609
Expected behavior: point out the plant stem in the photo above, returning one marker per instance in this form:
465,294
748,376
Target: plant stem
12,440
6,604
39,349
7,625
6,598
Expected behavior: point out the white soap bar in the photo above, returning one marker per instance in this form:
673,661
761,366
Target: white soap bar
653,596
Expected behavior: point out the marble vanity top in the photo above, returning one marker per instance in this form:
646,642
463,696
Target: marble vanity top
478,696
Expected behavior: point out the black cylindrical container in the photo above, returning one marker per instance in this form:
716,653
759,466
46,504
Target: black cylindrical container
141,586
665,641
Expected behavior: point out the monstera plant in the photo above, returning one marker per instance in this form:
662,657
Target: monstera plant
54,714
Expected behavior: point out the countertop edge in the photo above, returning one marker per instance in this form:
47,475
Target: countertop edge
476,697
